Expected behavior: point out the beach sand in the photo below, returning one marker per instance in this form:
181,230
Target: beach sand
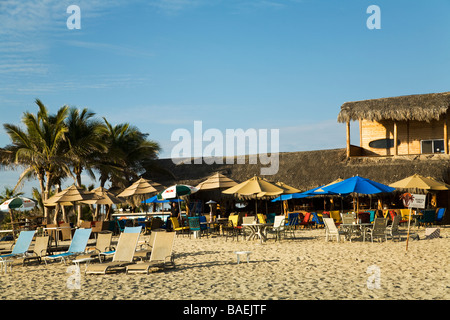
293,269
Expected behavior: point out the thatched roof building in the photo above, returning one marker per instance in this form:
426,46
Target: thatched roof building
420,107
309,169
404,125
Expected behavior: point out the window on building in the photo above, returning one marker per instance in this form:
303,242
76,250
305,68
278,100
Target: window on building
432,146
382,143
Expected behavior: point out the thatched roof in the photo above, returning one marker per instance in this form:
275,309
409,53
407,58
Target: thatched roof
421,107
310,169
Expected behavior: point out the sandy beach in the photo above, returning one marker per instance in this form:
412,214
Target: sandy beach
304,268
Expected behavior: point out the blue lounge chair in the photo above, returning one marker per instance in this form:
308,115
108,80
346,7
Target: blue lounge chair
372,215
21,247
440,214
133,229
77,246
317,221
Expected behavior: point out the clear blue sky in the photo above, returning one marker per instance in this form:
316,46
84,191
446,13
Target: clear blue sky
161,64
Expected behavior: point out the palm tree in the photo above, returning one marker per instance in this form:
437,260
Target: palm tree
37,148
128,152
9,193
82,141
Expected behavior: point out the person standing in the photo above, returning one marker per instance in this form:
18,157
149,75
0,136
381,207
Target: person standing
174,213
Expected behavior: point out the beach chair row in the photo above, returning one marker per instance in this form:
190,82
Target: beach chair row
103,258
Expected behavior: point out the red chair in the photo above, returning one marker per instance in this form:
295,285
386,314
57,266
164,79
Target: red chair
306,219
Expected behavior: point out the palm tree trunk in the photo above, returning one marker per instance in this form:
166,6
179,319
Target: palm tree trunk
77,172
46,193
56,213
64,213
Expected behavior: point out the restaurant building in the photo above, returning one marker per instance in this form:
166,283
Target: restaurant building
404,125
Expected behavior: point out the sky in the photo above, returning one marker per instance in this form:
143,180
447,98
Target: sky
262,64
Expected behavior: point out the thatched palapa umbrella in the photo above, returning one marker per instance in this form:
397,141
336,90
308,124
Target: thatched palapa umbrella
72,194
415,182
106,198
141,189
255,188
214,184
141,186
216,181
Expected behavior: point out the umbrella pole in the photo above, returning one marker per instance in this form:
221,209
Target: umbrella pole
11,215
409,224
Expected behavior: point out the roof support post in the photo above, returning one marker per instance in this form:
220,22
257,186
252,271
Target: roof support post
395,138
348,139
445,134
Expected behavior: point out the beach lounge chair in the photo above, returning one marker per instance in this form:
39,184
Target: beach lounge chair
392,230
270,218
40,250
331,230
318,222
194,226
21,247
428,218
405,215
137,229
440,212
126,247
306,221
279,227
378,230
292,223
229,230
177,228
77,246
372,215
336,215
102,249
143,254
120,225
261,218
161,256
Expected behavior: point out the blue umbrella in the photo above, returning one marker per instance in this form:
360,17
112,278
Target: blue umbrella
154,199
284,197
357,184
319,190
